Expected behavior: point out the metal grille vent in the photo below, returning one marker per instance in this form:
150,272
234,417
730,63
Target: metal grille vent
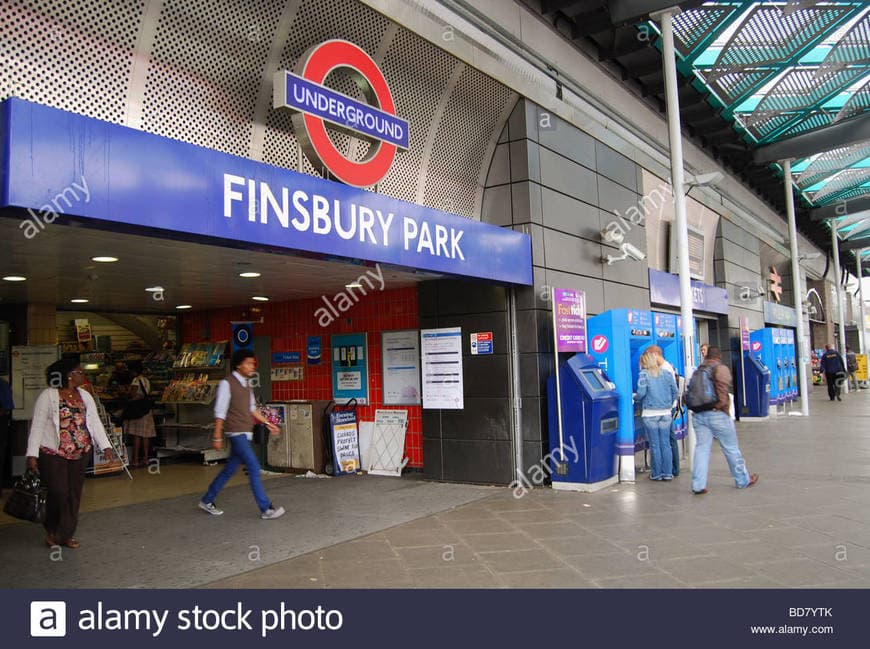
802,88
843,180
314,23
693,26
732,85
857,104
205,71
853,48
452,183
768,36
831,161
415,103
76,55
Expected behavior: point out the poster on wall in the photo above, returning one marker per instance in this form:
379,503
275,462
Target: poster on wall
28,376
243,335
400,351
569,320
442,368
314,350
350,372
84,336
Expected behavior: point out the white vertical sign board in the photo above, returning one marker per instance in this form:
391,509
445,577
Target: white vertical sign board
28,376
442,368
400,351
387,449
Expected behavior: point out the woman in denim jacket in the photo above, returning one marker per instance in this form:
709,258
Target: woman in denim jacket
657,390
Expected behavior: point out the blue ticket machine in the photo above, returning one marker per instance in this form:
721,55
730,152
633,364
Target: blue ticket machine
617,338
667,334
764,346
590,421
756,375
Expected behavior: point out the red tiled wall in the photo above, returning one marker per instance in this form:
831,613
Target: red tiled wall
290,323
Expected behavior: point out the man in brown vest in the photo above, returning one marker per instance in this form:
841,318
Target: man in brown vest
234,411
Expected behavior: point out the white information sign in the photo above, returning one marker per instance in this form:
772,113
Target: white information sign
442,368
28,376
401,362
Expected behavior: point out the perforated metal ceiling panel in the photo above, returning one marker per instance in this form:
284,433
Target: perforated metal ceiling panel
200,71
76,55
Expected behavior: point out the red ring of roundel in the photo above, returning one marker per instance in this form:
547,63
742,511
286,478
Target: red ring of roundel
320,63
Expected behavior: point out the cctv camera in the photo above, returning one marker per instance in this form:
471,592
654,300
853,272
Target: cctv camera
610,235
632,251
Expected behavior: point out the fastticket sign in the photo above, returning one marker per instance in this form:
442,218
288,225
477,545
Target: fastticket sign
58,163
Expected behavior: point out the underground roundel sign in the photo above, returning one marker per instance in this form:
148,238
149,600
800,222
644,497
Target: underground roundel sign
315,106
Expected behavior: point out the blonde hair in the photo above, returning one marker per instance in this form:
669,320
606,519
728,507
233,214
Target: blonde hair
651,360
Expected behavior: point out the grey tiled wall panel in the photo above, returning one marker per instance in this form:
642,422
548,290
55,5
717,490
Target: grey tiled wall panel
615,166
568,177
568,141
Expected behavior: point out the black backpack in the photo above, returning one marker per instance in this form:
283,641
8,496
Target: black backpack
701,394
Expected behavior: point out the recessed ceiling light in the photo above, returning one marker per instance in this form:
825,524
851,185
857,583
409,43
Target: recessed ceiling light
79,300
184,306
249,274
260,298
14,278
353,285
154,289
104,260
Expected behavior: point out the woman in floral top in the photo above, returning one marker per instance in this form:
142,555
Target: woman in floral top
64,430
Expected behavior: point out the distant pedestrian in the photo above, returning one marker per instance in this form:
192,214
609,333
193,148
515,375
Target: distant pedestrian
142,428
234,411
835,372
852,368
717,423
657,391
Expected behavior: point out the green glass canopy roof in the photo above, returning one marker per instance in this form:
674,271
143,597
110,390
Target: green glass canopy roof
777,70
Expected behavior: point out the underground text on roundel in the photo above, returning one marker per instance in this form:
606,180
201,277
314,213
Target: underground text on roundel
52,619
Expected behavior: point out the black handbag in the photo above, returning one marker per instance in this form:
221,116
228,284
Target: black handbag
27,501
137,408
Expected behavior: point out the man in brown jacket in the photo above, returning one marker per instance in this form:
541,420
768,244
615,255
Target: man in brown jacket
718,423
235,410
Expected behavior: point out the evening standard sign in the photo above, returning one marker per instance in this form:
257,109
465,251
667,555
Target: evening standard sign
149,181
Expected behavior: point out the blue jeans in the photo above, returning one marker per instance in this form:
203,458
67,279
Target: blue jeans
658,433
241,452
710,424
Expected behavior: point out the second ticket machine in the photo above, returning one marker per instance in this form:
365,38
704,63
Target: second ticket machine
617,338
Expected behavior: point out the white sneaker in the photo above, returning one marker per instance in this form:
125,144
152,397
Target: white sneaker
210,508
272,513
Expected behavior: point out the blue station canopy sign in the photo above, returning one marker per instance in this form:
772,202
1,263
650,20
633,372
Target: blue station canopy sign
119,175
664,288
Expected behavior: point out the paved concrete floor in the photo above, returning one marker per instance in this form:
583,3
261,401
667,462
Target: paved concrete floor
805,524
